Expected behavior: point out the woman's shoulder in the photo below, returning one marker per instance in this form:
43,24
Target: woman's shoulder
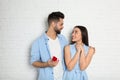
91,49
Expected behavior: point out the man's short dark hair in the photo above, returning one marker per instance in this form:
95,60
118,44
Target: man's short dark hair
55,16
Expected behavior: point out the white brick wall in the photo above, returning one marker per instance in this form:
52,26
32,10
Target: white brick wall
22,21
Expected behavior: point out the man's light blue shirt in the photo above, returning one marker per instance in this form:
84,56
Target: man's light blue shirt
40,52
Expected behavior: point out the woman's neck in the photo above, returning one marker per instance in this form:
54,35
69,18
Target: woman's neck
79,42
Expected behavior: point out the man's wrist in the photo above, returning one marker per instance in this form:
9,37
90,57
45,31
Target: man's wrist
48,63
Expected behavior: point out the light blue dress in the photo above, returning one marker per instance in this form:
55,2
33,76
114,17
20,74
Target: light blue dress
76,73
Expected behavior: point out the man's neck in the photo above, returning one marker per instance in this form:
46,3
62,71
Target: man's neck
51,33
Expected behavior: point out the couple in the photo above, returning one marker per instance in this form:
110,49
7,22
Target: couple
55,58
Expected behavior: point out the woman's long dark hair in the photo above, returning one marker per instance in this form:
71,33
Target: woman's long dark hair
84,34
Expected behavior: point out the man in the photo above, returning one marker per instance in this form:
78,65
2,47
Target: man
51,43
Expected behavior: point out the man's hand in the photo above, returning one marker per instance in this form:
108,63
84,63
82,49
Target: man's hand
52,63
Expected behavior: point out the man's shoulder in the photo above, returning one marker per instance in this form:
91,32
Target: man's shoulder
39,39
63,39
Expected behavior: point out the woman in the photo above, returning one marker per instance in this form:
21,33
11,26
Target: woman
78,55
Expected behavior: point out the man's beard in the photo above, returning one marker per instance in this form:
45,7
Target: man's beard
56,30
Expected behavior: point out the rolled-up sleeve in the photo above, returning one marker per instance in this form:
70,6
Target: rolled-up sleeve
35,53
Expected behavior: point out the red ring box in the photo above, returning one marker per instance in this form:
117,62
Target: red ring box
54,58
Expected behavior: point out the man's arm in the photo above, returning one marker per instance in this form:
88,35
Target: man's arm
40,64
50,63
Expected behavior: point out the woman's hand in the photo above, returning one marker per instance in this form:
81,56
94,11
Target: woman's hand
78,48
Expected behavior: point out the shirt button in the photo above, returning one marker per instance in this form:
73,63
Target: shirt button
52,72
